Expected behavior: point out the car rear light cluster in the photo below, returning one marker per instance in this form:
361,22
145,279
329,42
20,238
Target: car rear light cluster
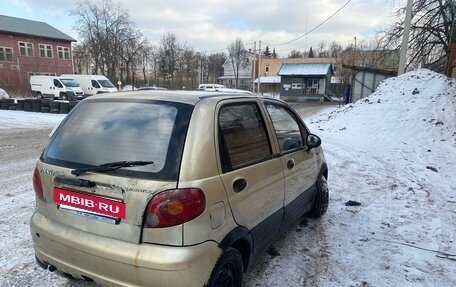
174,207
37,184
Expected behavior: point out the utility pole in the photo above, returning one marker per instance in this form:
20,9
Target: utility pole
259,70
254,65
405,38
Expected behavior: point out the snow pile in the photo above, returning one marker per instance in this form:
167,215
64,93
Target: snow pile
394,152
417,107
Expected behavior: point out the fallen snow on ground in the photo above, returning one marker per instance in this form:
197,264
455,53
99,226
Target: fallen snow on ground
21,119
394,153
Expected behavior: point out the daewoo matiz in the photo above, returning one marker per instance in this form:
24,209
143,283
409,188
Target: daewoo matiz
166,188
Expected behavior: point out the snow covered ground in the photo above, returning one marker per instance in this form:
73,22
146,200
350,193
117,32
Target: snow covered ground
394,153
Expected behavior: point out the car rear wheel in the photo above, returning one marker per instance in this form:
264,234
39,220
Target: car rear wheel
320,204
228,271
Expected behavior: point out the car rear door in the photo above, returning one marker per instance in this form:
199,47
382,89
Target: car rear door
299,164
112,203
252,177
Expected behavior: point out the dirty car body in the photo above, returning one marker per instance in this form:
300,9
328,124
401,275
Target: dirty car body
166,188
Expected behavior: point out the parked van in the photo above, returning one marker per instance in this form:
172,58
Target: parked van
64,88
93,84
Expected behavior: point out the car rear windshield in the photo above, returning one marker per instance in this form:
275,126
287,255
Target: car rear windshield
100,132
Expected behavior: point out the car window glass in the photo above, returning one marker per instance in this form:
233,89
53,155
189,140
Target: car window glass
106,84
57,83
287,128
101,132
243,135
95,84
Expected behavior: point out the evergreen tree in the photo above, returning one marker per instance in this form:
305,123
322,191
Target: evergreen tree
274,54
311,53
266,52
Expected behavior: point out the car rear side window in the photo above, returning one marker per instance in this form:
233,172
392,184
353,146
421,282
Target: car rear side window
101,132
242,136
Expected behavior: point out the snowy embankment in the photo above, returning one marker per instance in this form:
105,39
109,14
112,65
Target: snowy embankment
394,153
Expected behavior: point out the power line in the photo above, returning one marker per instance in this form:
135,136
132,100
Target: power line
313,29
291,41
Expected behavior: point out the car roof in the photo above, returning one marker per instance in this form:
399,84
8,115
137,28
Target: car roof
187,97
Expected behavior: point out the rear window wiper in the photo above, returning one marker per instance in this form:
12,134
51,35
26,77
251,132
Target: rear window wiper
110,166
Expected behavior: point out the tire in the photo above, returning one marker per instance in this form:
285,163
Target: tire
63,96
20,105
36,105
64,108
228,271
39,95
321,200
28,105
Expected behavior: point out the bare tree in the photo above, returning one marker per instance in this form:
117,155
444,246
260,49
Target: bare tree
103,27
132,45
295,54
335,49
322,52
430,31
170,51
238,58
81,58
215,66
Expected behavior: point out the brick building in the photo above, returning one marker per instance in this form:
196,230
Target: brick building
31,47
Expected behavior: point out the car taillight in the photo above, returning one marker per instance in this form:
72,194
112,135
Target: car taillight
174,207
37,185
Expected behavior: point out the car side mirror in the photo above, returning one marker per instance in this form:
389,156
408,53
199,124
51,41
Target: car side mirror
313,141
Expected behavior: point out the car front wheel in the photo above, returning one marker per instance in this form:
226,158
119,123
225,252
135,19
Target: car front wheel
320,204
228,271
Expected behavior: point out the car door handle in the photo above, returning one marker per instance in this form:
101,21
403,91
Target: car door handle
239,185
290,164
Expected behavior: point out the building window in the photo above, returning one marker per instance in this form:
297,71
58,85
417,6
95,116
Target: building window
296,83
6,54
64,52
266,68
26,49
45,51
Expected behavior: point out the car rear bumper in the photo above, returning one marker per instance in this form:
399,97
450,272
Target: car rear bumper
111,262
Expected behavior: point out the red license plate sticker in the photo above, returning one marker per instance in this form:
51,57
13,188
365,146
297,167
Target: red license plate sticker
100,205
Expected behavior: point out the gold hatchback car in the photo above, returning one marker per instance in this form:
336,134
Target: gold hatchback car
166,188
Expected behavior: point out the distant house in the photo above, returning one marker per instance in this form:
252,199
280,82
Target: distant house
267,75
305,81
245,74
31,47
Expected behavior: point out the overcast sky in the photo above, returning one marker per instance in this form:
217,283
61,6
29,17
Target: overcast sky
209,25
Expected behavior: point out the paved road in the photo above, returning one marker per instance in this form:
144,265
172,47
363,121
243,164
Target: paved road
308,109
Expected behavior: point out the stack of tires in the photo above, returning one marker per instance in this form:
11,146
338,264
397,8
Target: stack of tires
5,103
38,105
28,105
54,107
64,107
45,106
20,105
